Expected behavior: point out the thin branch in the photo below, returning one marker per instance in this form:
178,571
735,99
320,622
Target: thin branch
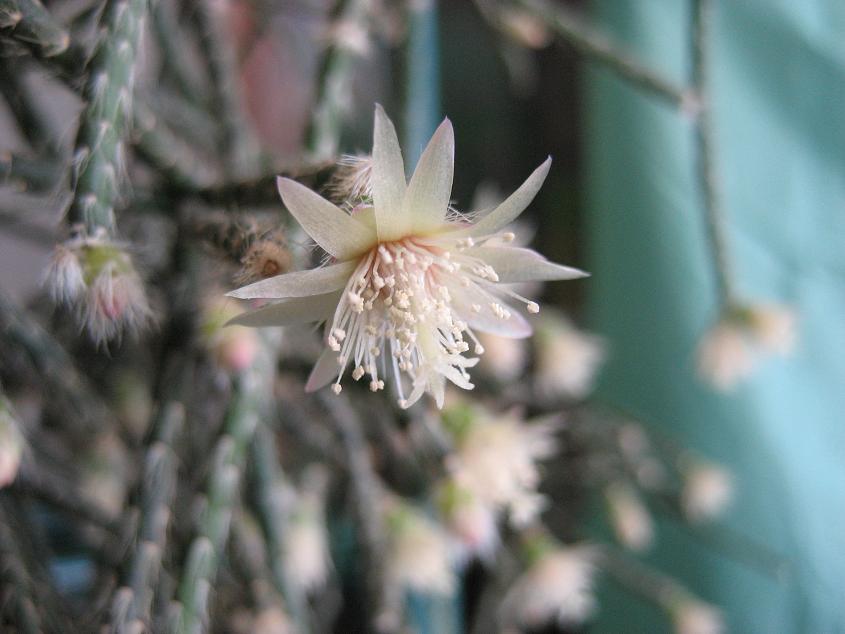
28,175
55,490
598,47
707,172
640,578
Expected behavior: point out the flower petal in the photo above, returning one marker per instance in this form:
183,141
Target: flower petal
513,205
299,283
300,310
515,264
388,180
333,229
324,372
427,198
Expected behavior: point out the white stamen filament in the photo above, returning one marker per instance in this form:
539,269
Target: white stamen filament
412,293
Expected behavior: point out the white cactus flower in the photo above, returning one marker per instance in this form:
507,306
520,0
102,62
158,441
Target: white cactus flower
743,337
558,587
707,491
692,616
630,518
419,554
470,521
497,460
409,282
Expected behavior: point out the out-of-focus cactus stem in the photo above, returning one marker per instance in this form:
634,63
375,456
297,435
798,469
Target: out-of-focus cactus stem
157,491
172,156
258,191
17,584
171,38
41,483
82,405
206,550
32,119
99,154
368,492
238,144
273,515
31,23
28,175
333,90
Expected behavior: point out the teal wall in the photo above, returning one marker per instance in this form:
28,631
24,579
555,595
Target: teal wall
779,100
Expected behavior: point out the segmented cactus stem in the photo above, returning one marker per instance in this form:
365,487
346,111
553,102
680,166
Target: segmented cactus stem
98,158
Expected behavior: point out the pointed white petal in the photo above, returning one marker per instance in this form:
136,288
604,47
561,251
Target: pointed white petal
428,192
333,229
513,205
324,372
515,264
388,179
299,283
300,310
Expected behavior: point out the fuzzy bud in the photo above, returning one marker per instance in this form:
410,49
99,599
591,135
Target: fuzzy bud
98,280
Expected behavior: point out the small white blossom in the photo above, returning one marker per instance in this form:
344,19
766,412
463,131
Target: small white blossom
725,356
419,556
496,458
306,540
557,587
707,491
409,281
732,349
691,616
567,359
470,521
631,520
